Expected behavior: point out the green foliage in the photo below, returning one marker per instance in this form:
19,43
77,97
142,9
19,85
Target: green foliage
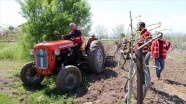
42,97
50,82
5,99
49,94
37,98
46,16
122,35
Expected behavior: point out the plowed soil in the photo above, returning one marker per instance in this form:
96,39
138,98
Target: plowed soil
107,87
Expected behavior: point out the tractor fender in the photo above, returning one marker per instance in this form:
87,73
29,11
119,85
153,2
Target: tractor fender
90,40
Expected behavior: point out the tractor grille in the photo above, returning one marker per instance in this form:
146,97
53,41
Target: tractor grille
41,59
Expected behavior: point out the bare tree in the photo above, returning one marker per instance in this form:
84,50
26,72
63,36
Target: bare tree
101,32
118,31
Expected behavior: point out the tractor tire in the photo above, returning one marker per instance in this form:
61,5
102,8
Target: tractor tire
29,75
96,57
68,78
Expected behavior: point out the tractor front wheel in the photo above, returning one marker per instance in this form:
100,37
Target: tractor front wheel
29,75
68,78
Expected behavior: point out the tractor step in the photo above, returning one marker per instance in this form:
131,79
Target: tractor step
79,63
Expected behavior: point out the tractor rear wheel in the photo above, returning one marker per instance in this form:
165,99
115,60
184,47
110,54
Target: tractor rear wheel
96,57
68,78
29,75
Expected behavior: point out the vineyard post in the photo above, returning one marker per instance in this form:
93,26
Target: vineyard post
130,66
139,59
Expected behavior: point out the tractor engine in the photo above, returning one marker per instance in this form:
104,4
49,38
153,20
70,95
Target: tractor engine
66,57
50,56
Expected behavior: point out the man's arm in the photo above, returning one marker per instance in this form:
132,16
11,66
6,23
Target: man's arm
152,48
75,33
144,36
168,45
68,36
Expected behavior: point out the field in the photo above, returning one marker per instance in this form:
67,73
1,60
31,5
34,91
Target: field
104,88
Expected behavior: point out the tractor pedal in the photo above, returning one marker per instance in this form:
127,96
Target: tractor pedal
79,63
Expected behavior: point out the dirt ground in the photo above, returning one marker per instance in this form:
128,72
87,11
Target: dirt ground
107,87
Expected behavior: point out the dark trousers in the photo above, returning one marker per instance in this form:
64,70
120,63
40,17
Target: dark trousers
147,63
160,63
77,52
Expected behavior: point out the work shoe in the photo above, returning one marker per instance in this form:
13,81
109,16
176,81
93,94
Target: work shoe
127,58
158,79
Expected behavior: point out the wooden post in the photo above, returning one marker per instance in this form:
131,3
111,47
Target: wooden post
140,76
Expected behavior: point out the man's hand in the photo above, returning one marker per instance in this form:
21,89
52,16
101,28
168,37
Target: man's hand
63,37
168,41
151,58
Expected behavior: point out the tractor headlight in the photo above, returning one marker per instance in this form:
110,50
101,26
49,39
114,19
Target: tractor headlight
57,52
31,52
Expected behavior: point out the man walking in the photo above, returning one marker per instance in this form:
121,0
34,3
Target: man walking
159,50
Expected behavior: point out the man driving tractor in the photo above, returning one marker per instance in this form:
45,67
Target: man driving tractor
62,57
75,36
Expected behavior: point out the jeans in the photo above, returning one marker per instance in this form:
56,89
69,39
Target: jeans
147,63
159,62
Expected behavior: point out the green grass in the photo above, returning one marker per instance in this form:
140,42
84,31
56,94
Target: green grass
13,50
9,50
6,99
46,93
11,63
40,97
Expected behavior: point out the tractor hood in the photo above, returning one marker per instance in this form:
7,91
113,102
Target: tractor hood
61,44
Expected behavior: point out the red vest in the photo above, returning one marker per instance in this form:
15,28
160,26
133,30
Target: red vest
144,35
155,51
77,39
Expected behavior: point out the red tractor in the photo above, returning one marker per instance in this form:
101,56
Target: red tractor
57,58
